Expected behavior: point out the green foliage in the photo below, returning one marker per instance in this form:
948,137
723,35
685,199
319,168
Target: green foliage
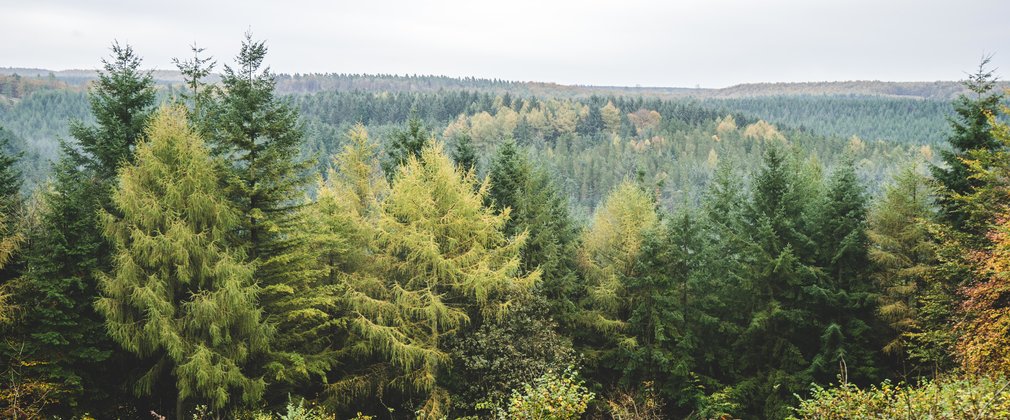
944,398
177,294
405,144
121,103
464,154
552,396
439,261
63,331
971,131
502,355
903,253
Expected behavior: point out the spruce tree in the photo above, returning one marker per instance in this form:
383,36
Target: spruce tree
177,294
11,231
257,138
10,174
666,297
782,332
846,308
464,154
61,256
971,130
404,144
537,207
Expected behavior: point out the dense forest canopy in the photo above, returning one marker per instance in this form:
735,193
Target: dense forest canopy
235,243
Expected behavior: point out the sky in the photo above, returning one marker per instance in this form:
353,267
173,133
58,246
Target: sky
675,43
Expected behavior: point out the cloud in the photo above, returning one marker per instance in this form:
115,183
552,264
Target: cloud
710,43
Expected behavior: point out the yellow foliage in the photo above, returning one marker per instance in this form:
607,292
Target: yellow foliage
761,130
611,117
726,125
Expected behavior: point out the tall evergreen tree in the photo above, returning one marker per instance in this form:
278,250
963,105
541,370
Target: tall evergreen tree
846,310
63,253
404,144
782,333
537,207
11,178
971,131
465,154
666,295
177,295
257,137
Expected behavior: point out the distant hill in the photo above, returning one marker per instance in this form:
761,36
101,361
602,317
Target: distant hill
313,83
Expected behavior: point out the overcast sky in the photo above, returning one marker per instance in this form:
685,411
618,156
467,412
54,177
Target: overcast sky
683,43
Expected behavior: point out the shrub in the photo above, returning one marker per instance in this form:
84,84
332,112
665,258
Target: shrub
552,396
948,398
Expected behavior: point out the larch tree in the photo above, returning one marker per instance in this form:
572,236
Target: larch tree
440,261
177,293
608,259
902,253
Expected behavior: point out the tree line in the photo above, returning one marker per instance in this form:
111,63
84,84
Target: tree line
191,247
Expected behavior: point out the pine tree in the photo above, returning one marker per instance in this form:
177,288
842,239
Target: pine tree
64,332
177,294
440,261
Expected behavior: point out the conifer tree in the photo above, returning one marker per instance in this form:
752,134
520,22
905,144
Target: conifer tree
464,154
440,261
10,175
781,334
971,131
63,253
608,260
902,253
11,234
405,143
845,309
257,137
667,305
535,206
177,293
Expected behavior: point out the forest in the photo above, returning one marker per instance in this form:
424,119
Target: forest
241,244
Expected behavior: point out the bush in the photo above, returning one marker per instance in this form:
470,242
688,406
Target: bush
552,396
950,398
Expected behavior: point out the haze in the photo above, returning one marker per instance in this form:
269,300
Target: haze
676,43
